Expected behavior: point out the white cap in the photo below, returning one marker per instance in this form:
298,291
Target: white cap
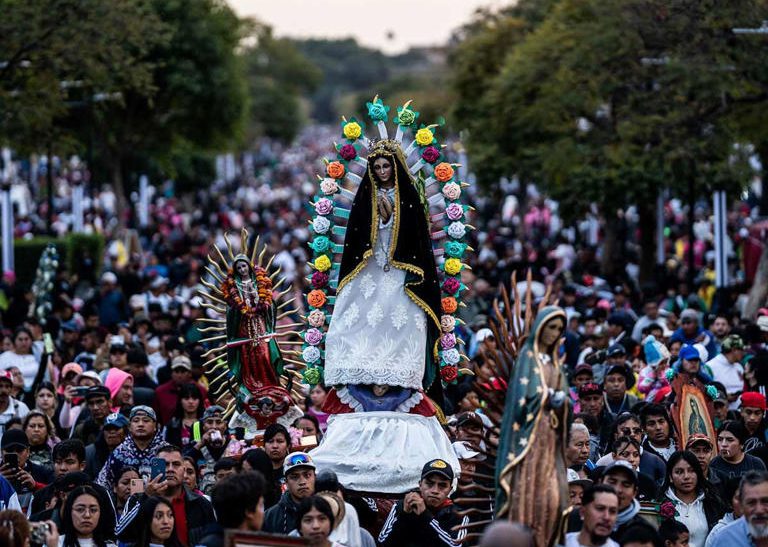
109,277
762,322
482,334
465,451
158,282
574,478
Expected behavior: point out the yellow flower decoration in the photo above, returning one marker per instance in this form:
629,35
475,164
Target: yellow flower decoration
352,131
452,266
323,263
424,136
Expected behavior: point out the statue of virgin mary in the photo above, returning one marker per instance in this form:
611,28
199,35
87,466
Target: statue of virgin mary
381,346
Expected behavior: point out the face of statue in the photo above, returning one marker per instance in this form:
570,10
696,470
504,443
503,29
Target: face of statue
382,168
552,332
242,268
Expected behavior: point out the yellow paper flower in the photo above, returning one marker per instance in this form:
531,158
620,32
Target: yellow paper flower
424,136
452,266
352,130
322,263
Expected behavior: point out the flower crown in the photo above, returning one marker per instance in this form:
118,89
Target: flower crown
384,146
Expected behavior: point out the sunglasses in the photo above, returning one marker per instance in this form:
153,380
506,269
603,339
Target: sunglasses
631,430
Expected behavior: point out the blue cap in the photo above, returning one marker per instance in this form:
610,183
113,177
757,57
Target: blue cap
689,353
116,420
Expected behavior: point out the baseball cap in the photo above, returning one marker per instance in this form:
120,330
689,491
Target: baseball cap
109,277
733,341
467,451
753,399
698,438
762,323
14,437
143,410
582,368
92,374
625,371
615,350
437,467
116,420
573,478
590,388
98,391
181,361
722,396
211,411
468,418
6,375
295,460
71,367
689,353
70,325
622,466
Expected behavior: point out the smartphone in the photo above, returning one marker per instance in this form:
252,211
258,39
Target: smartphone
80,391
39,533
216,435
48,343
137,486
11,459
158,468
308,440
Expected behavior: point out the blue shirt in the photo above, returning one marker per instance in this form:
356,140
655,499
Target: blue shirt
735,534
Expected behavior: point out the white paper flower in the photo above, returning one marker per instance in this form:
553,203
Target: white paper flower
456,230
321,225
329,186
310,354
451,356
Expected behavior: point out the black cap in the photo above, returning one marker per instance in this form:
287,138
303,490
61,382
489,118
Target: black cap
466,418
437,467
97,391
14,437
70,481
615,350
624,370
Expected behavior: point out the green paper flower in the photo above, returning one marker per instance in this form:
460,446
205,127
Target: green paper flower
406,116
313,375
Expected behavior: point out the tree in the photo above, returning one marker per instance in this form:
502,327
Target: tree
608,101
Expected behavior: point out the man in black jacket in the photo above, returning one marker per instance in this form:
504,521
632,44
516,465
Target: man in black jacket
426,516
193,514
112,434
299,472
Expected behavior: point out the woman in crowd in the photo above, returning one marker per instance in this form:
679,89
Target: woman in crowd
21,356
309,426
191,475
731,460
156,516
47,400
315,522
627,424
42,438
122,488
577,449
315,403
696,503
120,385
85,520
189,410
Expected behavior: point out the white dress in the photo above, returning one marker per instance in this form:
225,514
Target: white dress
377,335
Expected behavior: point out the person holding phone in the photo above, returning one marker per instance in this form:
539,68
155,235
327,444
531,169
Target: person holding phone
192,512
9,407
25,477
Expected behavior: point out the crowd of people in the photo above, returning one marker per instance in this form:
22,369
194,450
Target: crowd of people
109,436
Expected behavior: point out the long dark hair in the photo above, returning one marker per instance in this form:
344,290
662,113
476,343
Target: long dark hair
146,515
259,461
702,484
186,391
105,529
620,420
314,502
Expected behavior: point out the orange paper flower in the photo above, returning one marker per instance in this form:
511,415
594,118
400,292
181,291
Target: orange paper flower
335,169
316,298
443,172
449,304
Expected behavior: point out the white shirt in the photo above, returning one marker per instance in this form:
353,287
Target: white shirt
572,540
693,516
731,375
16,409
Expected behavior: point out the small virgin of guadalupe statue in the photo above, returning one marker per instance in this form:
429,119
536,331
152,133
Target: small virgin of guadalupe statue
530,467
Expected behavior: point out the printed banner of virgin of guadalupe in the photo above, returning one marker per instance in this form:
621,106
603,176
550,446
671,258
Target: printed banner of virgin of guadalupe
692,416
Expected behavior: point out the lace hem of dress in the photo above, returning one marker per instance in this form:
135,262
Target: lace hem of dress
357,375
348,399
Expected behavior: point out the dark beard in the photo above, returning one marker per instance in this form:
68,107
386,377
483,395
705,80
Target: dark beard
597,540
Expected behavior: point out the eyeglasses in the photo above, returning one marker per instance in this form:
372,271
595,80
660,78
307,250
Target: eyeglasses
631,430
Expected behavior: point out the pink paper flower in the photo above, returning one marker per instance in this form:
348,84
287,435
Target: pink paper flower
316,318
329,186
447,323
448,340
452,191
454,211
313,336
324,206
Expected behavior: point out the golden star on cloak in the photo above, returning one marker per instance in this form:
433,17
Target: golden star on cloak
524,381
521,401
516,427
529,417
523,442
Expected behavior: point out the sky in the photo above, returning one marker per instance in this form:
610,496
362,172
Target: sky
411,22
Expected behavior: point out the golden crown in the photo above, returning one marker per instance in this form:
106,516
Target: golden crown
380,146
